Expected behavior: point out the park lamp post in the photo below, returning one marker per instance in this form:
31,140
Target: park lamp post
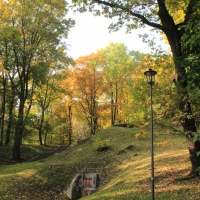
150,74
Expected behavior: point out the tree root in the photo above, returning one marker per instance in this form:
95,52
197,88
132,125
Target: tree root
187,177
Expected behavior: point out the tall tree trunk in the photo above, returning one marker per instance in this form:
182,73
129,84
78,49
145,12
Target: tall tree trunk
2,121
3,107
44,105
45,136
95,124
112,110
193,147
40,127
10,114
174,34
10,121
16,150
18,134
188,123
70,124
19,128
116,103
187,120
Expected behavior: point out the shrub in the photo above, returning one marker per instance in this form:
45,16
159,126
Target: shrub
102,145
141,135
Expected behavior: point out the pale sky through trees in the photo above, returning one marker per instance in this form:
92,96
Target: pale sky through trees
91,33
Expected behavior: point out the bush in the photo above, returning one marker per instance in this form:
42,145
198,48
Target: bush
102,145
141,135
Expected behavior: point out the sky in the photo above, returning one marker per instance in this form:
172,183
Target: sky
91,33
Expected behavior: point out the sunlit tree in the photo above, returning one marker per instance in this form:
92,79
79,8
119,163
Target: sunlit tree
30,31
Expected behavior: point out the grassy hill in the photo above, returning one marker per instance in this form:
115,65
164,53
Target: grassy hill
128,170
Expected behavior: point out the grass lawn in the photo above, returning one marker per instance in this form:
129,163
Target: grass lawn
128,172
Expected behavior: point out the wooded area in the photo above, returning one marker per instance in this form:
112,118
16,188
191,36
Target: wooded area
48,99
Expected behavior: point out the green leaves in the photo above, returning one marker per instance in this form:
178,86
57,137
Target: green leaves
33,50
101,145
196,136
191,48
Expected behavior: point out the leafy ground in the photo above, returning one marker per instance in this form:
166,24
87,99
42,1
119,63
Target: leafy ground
127,170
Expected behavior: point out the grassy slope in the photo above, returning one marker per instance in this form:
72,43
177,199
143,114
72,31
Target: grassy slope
128,174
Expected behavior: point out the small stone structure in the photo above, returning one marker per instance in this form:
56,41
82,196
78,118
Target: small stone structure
87,181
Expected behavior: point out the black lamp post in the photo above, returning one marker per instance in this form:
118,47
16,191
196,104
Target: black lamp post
150,74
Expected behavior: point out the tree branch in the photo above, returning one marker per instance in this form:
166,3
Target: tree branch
133,14
189,11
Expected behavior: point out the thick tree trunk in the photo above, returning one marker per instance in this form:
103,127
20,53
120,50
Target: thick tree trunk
19,130
18,141
17,151
174,34
187,119
193,147
189,126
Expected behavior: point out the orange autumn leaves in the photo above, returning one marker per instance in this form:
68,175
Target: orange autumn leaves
110,86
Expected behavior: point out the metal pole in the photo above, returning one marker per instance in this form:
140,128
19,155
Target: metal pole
152,149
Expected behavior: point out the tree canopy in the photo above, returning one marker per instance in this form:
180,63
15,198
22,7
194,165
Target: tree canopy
30,40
